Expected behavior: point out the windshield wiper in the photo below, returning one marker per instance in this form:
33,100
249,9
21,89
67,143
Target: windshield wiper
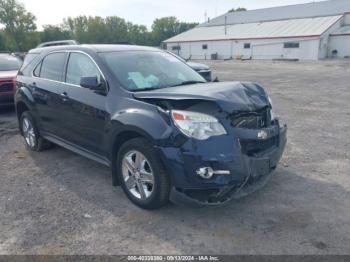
189,83
144,89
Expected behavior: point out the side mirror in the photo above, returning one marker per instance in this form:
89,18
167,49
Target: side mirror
92,83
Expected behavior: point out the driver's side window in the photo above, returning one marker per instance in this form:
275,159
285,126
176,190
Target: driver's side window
80,65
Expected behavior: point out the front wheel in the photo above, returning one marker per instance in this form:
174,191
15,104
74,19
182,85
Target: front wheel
142,174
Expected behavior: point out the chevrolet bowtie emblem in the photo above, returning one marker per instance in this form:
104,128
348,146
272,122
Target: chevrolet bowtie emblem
262,135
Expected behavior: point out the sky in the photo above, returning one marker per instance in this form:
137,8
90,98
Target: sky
142,11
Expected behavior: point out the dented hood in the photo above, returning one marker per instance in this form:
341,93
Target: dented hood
230,96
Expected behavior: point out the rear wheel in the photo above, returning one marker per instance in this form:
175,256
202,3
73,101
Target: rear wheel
142,175
31,134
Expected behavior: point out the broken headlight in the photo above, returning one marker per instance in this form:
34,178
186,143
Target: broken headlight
197,125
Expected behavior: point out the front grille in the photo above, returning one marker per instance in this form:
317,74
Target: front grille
6,87
252,120
253,147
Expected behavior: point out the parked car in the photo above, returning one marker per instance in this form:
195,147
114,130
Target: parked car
202,69
9,66
20,55
163,130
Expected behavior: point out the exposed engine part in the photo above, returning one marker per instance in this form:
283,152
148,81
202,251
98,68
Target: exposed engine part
252,120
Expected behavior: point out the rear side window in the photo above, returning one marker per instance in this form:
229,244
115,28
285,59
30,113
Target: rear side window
52,66
80,65
37,70
28,59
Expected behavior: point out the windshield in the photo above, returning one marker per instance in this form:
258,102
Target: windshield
146,70
9,63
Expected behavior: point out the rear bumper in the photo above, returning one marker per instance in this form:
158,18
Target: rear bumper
247,173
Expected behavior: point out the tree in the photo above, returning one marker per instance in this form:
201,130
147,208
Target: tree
78,27
17,22
54,33
96,30
7,43
239,9
109,30
117,29
167,27
19,33
183,26
138,34
32,39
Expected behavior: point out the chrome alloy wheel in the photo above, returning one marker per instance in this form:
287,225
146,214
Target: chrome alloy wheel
28,132
138,175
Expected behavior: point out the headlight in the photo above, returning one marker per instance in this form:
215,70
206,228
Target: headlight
197,125
273,116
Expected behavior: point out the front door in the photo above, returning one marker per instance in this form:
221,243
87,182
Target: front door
84,108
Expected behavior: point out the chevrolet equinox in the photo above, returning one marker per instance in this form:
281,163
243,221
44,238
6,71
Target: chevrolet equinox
165,132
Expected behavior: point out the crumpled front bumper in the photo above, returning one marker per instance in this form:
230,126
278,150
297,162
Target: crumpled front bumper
248,173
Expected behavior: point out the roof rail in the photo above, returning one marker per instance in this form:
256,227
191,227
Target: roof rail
58,43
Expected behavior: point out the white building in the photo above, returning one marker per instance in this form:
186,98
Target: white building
306,32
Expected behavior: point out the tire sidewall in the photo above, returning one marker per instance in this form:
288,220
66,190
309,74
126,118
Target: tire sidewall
28,116
150,153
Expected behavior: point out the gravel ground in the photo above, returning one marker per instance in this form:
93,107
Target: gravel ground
57,202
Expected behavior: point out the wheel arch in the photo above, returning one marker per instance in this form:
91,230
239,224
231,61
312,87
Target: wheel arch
121,138
133,123
24,100
21,107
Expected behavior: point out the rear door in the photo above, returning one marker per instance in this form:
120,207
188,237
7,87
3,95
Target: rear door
86,108
47,78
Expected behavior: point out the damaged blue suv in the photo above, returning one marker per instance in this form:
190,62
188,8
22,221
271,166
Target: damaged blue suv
165,132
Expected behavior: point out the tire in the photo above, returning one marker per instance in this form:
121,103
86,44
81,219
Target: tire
31,135
151,176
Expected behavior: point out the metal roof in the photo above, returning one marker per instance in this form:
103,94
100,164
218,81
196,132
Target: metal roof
316,9
344,30
305,27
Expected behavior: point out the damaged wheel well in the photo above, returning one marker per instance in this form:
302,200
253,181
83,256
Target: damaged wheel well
118,142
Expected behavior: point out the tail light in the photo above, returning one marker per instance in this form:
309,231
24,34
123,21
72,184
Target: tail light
8,85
